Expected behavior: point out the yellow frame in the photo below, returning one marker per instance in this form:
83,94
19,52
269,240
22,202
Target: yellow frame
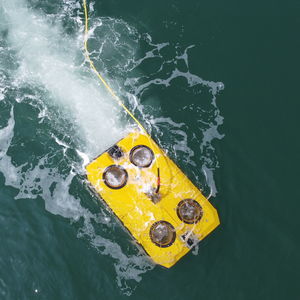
136,210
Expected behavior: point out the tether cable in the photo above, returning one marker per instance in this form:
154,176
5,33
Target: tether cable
110,90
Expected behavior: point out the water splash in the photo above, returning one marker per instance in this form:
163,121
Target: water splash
48,57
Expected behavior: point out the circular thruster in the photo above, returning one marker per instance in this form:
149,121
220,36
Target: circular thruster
115,177
189,211
162,234
141,156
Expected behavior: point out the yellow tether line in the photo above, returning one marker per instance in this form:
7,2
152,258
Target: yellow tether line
87,55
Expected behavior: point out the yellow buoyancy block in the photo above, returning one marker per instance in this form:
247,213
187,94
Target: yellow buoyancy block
156,202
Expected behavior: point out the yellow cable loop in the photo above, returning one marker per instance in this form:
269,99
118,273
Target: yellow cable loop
110,90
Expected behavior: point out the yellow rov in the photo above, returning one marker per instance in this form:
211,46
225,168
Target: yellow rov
156,202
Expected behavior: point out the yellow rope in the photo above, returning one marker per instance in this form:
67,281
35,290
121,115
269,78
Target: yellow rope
87,55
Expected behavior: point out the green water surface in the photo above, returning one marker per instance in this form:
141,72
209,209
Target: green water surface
254,49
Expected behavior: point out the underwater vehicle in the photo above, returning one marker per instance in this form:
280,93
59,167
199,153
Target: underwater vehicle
161,208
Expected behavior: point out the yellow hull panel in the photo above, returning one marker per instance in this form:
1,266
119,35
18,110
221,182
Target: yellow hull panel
138,212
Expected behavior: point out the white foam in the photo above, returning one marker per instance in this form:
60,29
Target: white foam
8,169
47,57
1,94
